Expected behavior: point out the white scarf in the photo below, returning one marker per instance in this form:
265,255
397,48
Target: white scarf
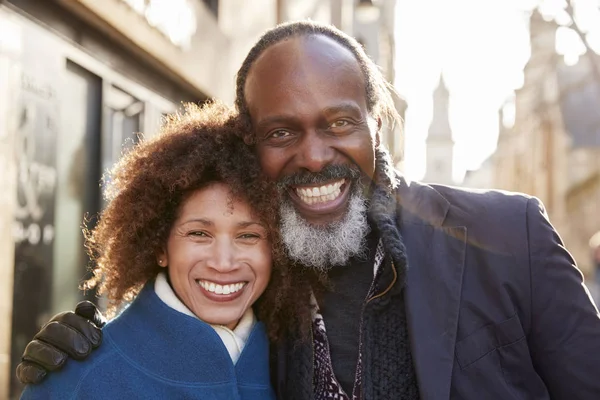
234,340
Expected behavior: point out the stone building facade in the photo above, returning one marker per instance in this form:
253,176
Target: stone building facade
553,149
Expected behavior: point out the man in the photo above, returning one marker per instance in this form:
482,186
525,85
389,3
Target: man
435,292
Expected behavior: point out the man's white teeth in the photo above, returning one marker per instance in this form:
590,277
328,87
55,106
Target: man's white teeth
320,194
221,289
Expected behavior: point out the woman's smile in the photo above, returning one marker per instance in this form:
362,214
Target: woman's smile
221,292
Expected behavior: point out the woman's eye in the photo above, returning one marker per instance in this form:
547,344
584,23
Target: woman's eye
198,234
249,236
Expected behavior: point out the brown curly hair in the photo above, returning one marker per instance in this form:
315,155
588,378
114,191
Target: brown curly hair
145,190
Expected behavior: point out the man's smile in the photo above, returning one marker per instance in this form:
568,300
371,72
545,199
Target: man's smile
329,198
320,194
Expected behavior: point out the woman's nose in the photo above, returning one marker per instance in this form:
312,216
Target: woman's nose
222,257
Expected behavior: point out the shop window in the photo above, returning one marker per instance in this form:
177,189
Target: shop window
123,122
77,194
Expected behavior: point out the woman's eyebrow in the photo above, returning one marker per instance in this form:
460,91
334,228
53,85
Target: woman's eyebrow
245,224
202,221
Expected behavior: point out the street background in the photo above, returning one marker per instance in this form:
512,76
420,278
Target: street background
494,93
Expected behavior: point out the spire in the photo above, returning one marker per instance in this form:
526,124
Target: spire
439,130
440,146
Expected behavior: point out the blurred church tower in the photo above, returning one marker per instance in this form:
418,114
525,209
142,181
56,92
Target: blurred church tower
439,144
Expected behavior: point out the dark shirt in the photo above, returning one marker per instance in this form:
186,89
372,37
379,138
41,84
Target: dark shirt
341,307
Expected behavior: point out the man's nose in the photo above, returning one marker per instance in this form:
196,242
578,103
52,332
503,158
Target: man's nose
314,152
223,256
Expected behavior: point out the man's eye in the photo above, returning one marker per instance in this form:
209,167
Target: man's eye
339,124
279,134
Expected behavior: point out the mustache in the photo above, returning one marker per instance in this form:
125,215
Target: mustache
329,173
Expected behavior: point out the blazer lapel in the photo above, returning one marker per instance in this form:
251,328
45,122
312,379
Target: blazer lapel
436,257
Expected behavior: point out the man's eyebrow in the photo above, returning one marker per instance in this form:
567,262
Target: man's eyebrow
345,107
275,120
348,107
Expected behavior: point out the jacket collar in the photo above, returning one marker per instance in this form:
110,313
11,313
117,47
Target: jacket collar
393,194
429,256
436,257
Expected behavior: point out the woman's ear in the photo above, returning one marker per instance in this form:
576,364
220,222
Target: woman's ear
161,258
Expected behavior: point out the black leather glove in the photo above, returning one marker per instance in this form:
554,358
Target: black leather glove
66,335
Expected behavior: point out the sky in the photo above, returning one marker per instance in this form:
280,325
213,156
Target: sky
481,48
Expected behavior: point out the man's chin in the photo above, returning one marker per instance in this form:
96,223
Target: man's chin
321,219
321,240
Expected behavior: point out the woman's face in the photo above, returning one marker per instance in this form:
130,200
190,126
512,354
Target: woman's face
218,256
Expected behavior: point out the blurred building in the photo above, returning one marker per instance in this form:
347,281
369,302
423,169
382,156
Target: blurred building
553,149
439,146
78,79
484,176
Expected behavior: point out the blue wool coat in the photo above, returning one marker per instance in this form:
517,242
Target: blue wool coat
154,352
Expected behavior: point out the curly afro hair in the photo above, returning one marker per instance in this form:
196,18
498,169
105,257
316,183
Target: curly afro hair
146,188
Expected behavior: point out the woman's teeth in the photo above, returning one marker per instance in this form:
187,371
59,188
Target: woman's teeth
221,289
320,194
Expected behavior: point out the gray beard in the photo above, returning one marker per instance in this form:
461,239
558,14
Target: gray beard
322,247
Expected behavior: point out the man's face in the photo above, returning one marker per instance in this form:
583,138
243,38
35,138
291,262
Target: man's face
307,102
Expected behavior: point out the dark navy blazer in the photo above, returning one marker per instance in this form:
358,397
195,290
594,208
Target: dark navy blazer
496,307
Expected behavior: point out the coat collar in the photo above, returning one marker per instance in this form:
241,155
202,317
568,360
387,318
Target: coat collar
420,204
155,338
436,258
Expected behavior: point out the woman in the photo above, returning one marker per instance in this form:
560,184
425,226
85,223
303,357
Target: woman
188,236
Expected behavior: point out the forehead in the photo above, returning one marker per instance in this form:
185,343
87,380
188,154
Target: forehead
215,202
302,74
